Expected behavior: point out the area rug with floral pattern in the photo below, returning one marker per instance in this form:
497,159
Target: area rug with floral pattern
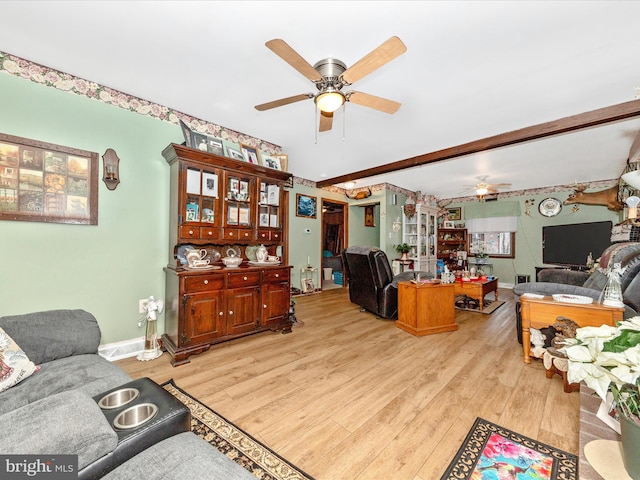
234,442
492,452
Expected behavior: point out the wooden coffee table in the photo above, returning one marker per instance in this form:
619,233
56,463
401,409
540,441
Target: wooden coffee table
477,289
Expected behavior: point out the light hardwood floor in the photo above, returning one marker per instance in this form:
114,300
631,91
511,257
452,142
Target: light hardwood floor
349,396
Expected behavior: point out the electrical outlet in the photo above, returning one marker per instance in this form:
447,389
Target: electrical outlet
142,305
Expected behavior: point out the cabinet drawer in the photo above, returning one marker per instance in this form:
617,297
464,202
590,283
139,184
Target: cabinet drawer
276,275
238,234
276,235
202,283
264,235
244,279
189,231
209,232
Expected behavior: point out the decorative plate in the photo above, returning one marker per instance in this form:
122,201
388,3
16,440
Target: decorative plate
214,255
180,254
233,251
550,207
572,298
250,252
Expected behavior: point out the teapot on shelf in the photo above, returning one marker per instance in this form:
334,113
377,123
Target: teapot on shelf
262,254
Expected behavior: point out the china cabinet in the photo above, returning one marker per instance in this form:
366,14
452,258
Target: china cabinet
450,242
419,232
227,208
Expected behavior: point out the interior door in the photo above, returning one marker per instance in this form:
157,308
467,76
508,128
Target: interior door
334,238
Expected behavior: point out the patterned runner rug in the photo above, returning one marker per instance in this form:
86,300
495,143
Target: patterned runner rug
491,452
234,442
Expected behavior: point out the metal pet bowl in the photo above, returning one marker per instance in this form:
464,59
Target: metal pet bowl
118,398
135,416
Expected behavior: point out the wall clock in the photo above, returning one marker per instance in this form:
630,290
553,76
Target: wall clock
550,207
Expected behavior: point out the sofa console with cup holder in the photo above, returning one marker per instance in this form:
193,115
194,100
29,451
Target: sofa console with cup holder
58,396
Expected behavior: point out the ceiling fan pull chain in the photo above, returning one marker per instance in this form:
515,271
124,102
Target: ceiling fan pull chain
315,120
344,120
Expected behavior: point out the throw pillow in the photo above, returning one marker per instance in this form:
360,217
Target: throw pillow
14,364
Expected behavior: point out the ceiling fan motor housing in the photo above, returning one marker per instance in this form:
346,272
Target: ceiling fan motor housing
330,69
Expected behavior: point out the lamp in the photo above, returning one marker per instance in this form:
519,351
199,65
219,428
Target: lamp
110,169
481,192
632,178
330,100
632,202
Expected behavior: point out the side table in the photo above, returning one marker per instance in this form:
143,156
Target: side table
308,279
542,312
426,308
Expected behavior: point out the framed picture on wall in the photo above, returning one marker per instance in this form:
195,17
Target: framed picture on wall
306,206
455,213
369,218
44,182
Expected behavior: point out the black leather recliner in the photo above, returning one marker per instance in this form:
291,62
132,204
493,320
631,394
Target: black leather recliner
372,284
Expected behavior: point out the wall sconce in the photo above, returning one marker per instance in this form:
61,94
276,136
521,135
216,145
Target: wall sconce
110,169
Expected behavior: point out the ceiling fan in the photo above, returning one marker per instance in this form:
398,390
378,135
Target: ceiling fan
331,75
482,188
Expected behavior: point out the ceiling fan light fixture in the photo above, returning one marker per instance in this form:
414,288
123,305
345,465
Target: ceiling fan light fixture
482,191
632,178
330,100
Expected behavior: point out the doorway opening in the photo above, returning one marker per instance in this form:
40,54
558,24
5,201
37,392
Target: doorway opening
334,240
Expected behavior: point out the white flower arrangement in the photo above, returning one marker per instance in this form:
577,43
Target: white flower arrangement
607,358
479,249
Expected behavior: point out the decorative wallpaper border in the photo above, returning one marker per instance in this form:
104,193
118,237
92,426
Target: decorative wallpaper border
19,67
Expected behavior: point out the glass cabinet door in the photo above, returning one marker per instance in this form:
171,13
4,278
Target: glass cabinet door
238,196
269,206
201,197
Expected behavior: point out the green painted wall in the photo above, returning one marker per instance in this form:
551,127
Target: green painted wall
106,268
529,234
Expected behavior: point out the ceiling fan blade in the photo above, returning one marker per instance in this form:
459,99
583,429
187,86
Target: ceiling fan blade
375,59
283,101
371,101
634,152
289,55
326,121
500,185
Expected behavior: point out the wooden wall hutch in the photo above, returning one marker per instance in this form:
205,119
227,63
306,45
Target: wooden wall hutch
223,205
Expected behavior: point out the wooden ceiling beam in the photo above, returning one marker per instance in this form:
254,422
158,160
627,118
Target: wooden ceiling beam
593,118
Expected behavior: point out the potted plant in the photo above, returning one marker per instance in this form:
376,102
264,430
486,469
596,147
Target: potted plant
607,359
403,248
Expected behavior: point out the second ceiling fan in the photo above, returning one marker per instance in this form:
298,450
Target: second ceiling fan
331,75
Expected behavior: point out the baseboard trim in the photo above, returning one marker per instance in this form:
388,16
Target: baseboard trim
124,349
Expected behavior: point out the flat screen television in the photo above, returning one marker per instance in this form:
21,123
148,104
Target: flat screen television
571,244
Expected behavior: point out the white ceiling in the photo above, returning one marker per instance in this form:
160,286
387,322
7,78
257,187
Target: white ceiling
471,70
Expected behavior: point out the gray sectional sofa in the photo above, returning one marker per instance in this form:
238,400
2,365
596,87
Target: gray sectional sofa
55,410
